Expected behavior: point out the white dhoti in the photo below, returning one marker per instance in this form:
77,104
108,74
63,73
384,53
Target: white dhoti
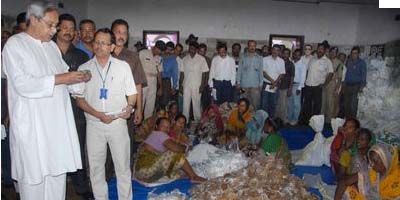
117,137
52,188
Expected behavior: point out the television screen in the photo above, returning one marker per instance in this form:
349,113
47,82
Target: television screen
291,42
150,37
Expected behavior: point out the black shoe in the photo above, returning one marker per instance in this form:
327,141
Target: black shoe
86,195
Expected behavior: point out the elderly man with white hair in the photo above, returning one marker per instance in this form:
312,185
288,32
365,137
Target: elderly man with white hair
44,143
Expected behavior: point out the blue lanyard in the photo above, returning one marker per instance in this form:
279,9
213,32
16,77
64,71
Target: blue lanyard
105,78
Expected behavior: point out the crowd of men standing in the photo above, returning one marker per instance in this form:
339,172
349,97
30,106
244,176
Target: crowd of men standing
61,75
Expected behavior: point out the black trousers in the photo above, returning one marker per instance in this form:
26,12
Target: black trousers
312,101
167,95
350,97
80,178
224,91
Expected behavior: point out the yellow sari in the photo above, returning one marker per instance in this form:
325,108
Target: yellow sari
387,187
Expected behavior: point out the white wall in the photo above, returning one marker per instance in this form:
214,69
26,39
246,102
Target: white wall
377,26
239,19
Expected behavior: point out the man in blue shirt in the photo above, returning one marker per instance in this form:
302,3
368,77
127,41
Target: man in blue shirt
169,75
87,29
354,82
249,77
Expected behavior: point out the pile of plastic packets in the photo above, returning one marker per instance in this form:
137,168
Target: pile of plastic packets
379,98
263,179
211,162
173,195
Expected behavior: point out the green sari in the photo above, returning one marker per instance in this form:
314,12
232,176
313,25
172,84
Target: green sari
274,144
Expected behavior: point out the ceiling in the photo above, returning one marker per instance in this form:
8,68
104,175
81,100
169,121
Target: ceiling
356,2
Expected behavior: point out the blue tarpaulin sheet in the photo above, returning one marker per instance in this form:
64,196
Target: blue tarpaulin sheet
296,138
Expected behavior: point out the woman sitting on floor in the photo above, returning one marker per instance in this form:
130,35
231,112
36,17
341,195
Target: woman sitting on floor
274,143
382,180
211,125
177,132
349,165
344,140
173,111
255,133
161,156
238,119
148,125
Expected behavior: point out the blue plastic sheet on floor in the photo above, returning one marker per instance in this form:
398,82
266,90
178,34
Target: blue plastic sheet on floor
326,173
140,191
298,137
316,192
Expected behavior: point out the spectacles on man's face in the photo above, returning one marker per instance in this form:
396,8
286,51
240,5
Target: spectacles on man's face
97,43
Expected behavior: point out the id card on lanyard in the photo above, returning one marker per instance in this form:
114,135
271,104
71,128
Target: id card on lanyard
103,96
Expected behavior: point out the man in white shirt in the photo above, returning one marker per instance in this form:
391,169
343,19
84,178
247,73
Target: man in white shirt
298,83
108,100
319,73
273,70
43,139
194,65
222,75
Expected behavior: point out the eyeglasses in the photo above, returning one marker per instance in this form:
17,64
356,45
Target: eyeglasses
101,43
308,49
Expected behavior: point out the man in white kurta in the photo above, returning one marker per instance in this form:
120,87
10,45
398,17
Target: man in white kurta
43,139
111,89
194,65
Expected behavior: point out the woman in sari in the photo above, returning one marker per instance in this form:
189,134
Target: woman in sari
148,125
255,128
173,111
160,156
349,166
274,143
211,125
239,117
177,131
344,140
382,180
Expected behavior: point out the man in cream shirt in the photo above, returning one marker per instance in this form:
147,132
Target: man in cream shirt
319,73
111,90
152,66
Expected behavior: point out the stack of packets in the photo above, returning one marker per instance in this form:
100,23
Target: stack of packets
173,195
210,162
263,179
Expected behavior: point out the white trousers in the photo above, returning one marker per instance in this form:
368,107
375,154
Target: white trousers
149,97
191,94
116,135
52,188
